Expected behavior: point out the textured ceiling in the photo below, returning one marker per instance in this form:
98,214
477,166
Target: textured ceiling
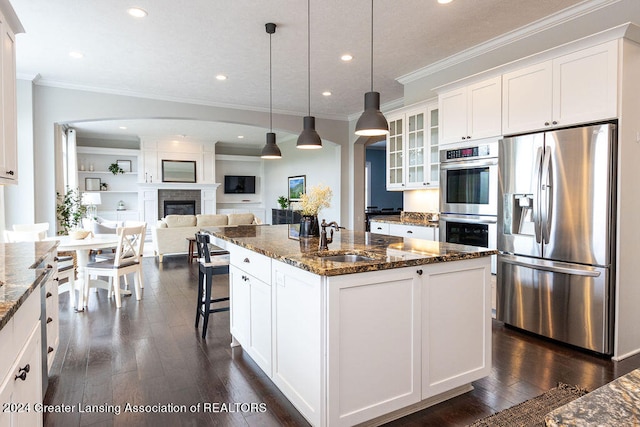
176,51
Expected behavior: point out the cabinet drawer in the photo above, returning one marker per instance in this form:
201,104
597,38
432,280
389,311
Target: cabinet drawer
413,231
250,262
379,227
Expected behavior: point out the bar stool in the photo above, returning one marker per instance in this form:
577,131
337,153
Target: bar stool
208,267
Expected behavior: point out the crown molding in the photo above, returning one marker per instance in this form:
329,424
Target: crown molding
501,41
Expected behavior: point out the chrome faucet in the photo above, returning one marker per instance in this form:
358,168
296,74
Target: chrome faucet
324,240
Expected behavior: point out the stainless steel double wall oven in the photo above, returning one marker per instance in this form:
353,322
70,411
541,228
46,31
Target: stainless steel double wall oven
469,194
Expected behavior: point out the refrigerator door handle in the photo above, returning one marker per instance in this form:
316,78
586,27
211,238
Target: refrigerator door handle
536,195
546,196
547,266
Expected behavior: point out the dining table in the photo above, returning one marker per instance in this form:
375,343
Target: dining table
82,248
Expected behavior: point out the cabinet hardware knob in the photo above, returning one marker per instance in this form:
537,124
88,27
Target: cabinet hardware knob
546,123
409,232
554,122
49,320
246,260
468,137
419,272
464,137
10,172
56,259
48,295
57,279
22,376
49,266
50,349
26,368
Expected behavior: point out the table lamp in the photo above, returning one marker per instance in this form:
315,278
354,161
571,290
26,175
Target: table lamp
91,200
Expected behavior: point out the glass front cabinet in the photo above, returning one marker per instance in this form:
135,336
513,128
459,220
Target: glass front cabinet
412,148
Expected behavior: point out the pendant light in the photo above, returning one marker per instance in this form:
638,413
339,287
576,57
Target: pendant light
309,138
270,150
372,122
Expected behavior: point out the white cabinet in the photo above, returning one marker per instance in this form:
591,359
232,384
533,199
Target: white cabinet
413,231
576,88
251,304
21,381
51,310
460,352
471,112
8,113
412,148
379,227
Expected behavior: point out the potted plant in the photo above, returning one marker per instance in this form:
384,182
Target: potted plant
115,169
283,202
311,202
69,210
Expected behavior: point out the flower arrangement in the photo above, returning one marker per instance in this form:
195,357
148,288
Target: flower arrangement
318,197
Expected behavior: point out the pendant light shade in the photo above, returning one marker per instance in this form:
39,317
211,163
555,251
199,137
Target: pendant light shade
270,150
372,122
309,138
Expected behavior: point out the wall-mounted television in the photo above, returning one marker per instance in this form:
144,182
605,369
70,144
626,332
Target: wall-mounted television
239,184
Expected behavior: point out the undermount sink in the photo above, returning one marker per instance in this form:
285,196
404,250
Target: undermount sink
347,258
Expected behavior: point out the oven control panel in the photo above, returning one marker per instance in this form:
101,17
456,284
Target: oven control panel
461,153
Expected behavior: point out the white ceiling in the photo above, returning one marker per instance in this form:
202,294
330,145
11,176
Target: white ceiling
176,51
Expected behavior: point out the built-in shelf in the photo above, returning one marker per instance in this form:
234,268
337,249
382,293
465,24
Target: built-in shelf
107,173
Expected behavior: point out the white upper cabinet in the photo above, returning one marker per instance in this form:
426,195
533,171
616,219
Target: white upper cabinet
575,88
8,115
471,112
412,148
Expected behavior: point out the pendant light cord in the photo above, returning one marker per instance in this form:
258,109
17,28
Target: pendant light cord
270,89
309,55
371,45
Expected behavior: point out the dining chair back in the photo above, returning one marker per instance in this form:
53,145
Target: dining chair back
127,259
209,266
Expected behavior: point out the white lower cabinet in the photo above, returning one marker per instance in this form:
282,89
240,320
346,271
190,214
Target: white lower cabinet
21,385
251,304
413,231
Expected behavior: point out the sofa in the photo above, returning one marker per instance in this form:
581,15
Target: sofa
171,232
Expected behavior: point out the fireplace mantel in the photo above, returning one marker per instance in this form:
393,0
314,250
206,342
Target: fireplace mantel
148,197
179,185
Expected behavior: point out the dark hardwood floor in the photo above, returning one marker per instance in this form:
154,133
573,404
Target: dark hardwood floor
149,353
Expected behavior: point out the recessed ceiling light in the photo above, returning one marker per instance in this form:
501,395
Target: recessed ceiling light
326,93
123,127
346,57
76,55
221,77
444,1
136,12
240,136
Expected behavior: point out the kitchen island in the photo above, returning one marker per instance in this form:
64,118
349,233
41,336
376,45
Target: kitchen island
402,325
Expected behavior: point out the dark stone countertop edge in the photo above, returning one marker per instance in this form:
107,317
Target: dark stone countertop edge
32,280
404,221
357,267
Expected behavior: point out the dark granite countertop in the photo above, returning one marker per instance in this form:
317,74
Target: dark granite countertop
18,274
387,252
613,404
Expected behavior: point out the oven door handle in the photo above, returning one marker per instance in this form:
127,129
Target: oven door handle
466,164
469,219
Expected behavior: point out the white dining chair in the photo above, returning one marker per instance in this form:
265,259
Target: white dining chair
127,260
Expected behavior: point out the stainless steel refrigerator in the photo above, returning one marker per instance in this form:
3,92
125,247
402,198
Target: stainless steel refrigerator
556,234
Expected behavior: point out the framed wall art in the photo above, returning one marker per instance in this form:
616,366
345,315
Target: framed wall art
297,187
92,184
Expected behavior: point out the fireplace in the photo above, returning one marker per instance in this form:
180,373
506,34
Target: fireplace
179,207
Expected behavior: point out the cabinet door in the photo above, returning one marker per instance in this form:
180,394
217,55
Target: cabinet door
29,390
260,315
585,85
240,298
395,153
434,146
458,295
526,99
453,116
484,111
8,123
413,231
379,227
416,149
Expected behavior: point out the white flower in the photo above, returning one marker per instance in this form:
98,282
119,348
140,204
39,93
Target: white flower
318,197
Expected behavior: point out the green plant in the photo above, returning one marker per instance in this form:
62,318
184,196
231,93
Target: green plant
69,210
115,169
283,202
